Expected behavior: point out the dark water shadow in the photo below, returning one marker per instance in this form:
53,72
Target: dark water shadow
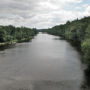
86,83
59,38
2,48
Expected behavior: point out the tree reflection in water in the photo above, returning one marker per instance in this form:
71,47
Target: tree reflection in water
86,83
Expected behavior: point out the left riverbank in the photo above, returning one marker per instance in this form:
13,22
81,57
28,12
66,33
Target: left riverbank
10,35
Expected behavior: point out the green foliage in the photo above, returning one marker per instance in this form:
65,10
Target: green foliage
2,35
88,31
11,33
86,49
78,32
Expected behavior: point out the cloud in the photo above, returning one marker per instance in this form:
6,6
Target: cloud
41,13
88,11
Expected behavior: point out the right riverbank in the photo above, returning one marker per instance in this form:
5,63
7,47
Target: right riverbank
77,32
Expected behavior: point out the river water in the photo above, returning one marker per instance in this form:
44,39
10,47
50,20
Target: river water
45,63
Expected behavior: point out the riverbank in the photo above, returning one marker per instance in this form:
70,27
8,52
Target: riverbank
77,33
13,43
10,35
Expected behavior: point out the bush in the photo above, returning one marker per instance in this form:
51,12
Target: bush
86,50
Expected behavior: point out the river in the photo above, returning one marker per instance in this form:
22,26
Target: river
45,63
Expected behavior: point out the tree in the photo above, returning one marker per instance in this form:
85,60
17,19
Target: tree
2,35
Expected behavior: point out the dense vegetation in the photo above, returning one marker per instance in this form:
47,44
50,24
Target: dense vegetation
77,32
10,34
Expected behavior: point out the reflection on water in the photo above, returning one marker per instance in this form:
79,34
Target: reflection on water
86,83
45,63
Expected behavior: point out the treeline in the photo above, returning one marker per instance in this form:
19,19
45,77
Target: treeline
77,32
10,34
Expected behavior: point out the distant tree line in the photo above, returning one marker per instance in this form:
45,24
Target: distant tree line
10,34
77,32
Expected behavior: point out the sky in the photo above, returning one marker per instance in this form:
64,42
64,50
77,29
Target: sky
42,13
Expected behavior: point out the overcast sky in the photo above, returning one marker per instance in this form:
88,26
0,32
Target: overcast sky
42,13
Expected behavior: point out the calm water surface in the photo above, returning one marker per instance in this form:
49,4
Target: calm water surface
45,63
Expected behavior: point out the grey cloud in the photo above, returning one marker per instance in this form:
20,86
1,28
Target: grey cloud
36,13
